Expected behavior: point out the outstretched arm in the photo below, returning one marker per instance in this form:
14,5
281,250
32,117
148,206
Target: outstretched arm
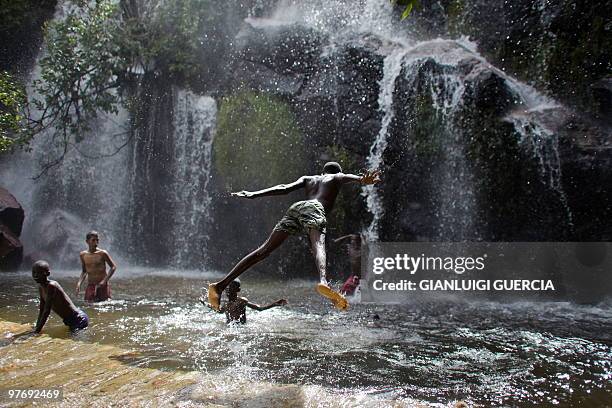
280,189
368,177
279,302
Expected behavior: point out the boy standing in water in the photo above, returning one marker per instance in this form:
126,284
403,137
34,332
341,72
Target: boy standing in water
309,216
235,308
93,262
53,297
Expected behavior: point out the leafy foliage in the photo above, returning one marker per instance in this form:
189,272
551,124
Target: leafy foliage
13,129
165,36
408,6
14,13
99,50
80,70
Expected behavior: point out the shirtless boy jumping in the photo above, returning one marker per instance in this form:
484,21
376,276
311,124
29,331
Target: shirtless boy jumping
94,262
309,216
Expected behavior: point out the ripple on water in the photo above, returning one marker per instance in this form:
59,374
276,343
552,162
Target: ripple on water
488,353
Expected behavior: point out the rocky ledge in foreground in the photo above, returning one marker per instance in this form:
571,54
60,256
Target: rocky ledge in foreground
96,375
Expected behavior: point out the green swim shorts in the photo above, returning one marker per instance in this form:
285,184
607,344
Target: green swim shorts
302,216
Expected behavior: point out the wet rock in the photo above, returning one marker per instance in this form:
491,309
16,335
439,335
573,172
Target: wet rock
11,212
61,237
602,95
490,94
341,99
585,151
275,57
95,375
11,223
11,250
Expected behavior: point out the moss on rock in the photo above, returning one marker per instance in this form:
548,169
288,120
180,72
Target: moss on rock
258,142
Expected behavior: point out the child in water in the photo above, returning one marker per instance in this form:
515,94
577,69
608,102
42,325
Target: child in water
93,262
235,308
53,297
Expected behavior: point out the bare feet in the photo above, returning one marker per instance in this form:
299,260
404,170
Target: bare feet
214,296
337,299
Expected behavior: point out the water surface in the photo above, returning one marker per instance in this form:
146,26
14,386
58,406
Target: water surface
437,352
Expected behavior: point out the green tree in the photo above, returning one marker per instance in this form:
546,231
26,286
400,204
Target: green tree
13,125
95,54
80,73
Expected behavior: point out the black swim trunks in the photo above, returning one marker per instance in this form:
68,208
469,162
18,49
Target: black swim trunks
79,320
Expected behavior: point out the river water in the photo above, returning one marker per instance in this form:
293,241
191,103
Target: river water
435,352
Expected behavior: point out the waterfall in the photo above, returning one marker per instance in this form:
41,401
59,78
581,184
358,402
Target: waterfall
455,184
391,70
194,126
455,188
529,121
84,192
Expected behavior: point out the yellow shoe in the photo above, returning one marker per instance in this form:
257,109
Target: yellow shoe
214,297
337,299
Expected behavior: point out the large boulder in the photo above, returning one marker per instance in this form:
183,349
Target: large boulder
11,212
275,58
11,223
11,250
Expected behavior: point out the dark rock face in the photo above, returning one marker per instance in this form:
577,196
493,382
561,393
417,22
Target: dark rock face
21,33
602,96
275,60
11,250
563,46
150,213
11,212
11,223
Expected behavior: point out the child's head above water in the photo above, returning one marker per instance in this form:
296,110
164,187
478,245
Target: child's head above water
233,288
40,271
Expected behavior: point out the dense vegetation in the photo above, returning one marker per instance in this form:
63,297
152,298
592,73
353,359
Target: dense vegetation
94,55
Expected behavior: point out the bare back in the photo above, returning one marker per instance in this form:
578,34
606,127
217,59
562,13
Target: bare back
61,303
94,264
323,188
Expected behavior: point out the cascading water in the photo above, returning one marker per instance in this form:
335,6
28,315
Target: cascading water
456,207
392,69
194,126
530,122
82,192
